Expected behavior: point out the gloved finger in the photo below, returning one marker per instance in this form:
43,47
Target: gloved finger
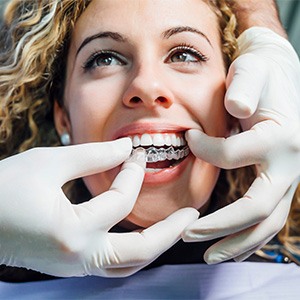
247,254
114,205
257,204
86,159
242,244
242,98
228,153
141,248
236,247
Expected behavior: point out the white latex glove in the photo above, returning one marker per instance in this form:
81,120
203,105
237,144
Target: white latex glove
41,230
264,92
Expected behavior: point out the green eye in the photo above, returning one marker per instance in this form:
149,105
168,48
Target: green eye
186,54
183,56
104,59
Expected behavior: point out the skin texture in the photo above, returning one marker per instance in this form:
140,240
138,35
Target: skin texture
258,13
154,84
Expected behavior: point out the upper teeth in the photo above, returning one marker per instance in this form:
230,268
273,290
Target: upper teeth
158,139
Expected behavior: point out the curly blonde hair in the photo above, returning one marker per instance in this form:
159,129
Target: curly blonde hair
36,36
35,41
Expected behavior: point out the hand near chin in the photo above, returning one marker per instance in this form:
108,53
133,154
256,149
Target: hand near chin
264,93
41,230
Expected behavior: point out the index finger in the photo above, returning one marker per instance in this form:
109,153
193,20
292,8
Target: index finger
85,159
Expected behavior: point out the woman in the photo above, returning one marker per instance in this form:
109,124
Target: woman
151,81
145,76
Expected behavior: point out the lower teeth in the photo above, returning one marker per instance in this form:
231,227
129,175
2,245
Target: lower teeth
154,154
150,170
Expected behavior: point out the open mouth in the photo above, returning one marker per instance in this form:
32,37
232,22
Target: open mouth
163,150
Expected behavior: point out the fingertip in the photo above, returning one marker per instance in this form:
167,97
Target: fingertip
193,138
124,143
207,260
212,258
239,109
135,170
193,133
189,214
245,85
191,233
193,213
178,221
187,236
138,156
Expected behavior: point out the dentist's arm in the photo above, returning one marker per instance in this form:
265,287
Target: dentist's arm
264,93
263,13
41,230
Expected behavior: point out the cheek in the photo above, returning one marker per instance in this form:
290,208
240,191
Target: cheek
216,117
207,105
90,108
202,182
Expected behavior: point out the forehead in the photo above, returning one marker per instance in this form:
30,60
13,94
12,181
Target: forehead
148,17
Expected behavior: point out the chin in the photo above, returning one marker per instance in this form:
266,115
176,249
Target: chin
158,199
152,208
137,220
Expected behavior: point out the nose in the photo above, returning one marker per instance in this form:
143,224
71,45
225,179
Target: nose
148,88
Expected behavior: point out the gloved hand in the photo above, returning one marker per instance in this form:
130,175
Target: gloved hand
264,92
40,229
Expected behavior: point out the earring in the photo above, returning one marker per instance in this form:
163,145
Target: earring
65,139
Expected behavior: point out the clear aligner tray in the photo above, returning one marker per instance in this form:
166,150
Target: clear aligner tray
154,154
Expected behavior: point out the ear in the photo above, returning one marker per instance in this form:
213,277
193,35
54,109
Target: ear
61,119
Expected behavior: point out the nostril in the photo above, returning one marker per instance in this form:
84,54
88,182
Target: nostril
162,99
135,100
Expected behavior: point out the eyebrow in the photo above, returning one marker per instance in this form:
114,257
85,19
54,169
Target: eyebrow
175,30
119,38
105,34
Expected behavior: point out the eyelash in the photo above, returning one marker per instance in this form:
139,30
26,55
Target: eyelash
90,63
189,48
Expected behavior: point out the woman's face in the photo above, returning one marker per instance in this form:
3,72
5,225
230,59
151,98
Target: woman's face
149,70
